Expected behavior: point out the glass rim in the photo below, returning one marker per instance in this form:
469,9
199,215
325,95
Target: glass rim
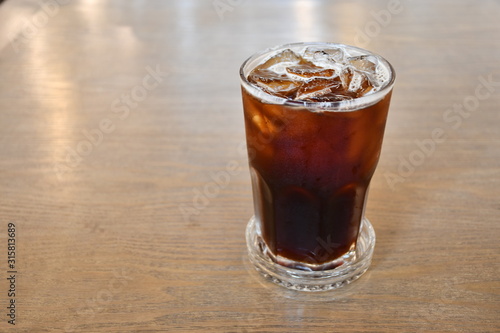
336,106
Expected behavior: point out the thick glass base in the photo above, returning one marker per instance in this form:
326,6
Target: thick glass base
353,264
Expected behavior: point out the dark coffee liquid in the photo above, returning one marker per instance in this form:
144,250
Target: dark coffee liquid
310,174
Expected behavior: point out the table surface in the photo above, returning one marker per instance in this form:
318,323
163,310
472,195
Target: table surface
123,173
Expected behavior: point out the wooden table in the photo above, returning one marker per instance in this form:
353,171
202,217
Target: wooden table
123,173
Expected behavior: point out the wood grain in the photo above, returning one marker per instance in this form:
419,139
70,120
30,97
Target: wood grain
102,166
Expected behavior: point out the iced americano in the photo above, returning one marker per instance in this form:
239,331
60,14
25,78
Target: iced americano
315,116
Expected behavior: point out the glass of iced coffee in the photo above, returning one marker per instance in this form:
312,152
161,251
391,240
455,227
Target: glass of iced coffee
315,116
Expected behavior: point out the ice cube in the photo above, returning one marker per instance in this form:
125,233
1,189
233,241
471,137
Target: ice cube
346,76
325,56
330,97
318,87
318,75
336,54
263,124
277,84
285,56
308,71
365,63
360,84
310,52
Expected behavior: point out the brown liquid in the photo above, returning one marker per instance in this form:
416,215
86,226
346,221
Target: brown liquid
310,174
